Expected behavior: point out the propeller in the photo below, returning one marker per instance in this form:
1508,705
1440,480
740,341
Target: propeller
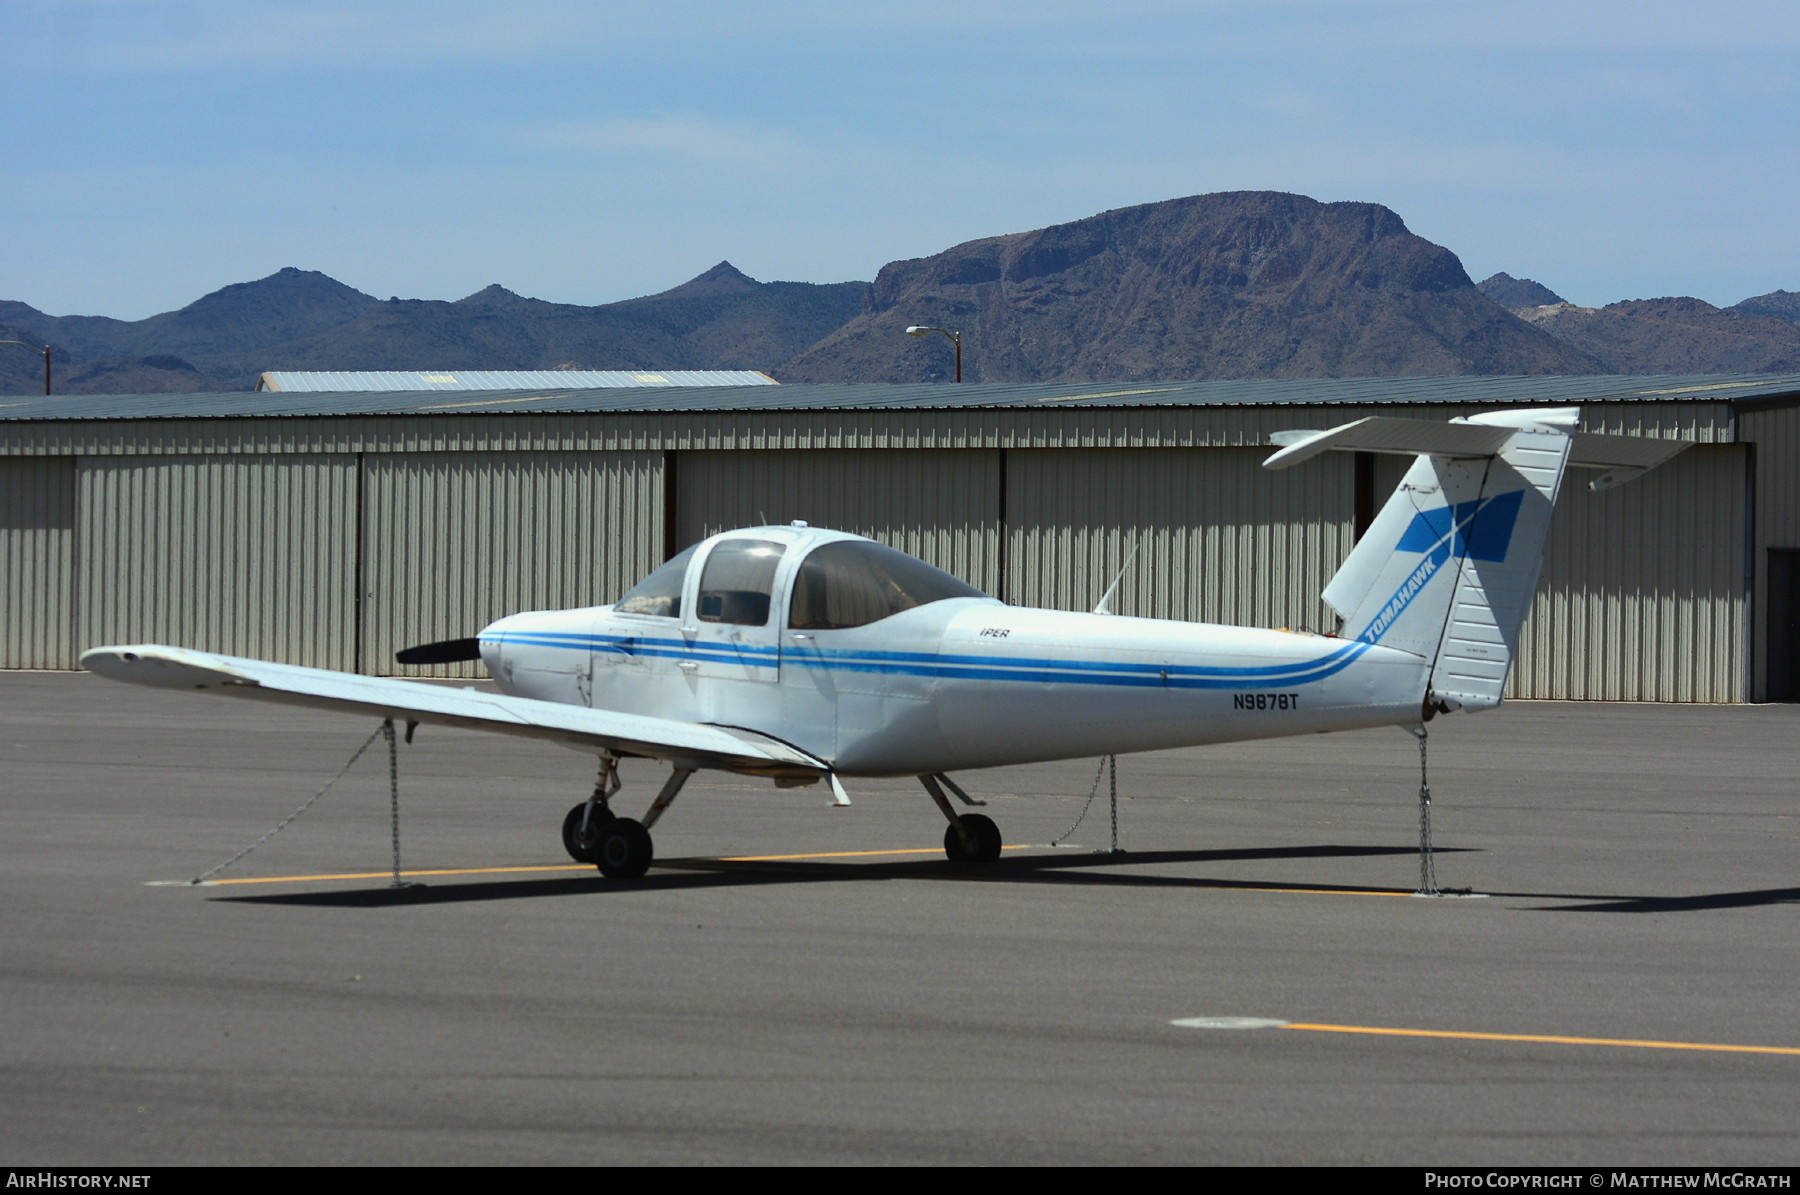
449,651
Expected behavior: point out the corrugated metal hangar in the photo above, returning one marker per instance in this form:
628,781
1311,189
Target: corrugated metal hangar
333,528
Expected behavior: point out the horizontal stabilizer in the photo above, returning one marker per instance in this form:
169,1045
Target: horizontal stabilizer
1623,457
1407,437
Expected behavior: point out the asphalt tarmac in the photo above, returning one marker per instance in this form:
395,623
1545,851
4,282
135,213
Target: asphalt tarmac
771,994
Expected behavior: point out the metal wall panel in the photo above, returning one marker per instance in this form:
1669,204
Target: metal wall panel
943,507
37,538
455,540
1644,595
247,555
1219,538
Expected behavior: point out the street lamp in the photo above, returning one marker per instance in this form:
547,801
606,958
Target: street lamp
956,339
45,350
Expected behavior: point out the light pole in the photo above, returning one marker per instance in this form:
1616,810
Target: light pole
956,339
45,350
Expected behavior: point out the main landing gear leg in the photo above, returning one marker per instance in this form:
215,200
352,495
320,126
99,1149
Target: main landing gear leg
622,848
581,828
971,837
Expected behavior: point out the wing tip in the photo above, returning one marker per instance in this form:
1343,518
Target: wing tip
161,667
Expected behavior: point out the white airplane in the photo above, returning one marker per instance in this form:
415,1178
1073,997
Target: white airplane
806,655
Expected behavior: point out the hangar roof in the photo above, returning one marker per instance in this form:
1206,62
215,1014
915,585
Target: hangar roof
1742,391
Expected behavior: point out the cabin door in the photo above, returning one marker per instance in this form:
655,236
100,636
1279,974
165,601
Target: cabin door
732,625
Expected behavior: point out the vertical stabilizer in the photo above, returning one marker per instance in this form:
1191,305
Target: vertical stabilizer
1449,567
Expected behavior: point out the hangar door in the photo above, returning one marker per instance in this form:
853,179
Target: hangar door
454,540
248,555
37,538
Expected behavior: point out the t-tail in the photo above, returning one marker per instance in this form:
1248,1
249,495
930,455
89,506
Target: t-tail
1449,567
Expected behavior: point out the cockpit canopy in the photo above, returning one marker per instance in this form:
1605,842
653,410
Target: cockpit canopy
839,584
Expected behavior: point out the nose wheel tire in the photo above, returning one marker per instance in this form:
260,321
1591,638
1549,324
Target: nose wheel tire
579,845
622,850
982,844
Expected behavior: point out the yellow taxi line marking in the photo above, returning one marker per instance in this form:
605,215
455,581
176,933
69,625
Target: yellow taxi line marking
923,850
1305,891
475,871
384,875
584,867
1550,1039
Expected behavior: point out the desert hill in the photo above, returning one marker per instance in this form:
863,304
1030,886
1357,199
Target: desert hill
1673,335
1251,284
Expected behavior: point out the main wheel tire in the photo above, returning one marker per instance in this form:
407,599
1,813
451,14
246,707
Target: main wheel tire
982,844
623,851
580,846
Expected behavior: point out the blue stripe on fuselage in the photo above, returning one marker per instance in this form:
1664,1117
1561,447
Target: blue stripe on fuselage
973,667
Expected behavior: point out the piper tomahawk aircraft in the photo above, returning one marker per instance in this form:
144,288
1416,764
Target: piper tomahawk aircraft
806,655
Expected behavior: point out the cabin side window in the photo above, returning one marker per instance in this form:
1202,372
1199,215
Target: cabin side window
855,582
738,578
660,592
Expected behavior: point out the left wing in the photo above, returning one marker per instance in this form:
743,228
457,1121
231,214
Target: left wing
684,744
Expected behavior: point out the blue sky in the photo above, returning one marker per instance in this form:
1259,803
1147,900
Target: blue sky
587,152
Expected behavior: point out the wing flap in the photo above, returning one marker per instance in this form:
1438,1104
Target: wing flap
683,743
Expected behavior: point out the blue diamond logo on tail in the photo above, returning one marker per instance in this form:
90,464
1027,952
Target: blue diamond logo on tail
1483,527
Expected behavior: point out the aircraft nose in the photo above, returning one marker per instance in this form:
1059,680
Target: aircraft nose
451,651
498,629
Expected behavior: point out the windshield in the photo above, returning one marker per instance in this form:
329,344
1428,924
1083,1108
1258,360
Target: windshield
855,582
660,592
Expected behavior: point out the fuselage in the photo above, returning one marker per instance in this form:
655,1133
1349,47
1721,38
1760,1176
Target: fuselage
947,684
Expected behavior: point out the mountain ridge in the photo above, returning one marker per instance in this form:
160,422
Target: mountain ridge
1234,284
